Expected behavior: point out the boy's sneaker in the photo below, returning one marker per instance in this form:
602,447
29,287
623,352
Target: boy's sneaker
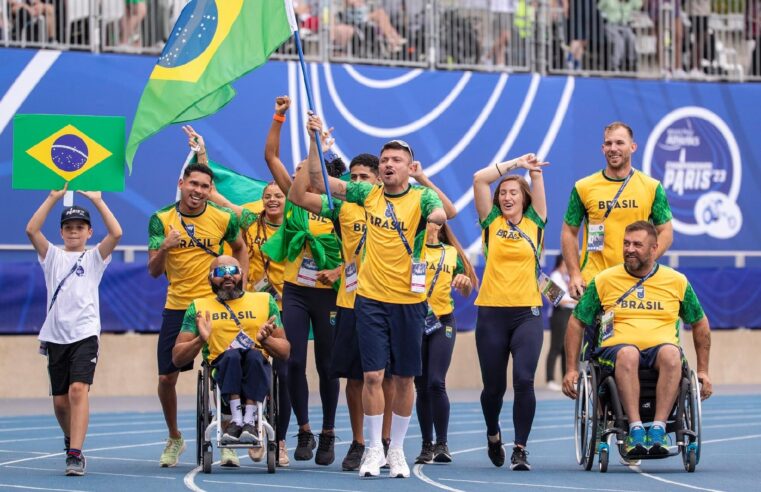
519,459
426,454
441,453
496,452
354,457
171,455
397,464
282,455
325,449
248,434
305,446
229,458
657,441
232,433
635,443
75,465
372,461
386,443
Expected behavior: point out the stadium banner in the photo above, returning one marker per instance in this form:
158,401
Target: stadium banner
85,151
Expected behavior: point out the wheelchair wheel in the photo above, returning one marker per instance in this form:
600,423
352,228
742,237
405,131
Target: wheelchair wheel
199,417
604,454
586,421
693,417
207,459
205,455
271,454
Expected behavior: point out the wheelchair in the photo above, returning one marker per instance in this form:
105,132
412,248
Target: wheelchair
600,422
209,411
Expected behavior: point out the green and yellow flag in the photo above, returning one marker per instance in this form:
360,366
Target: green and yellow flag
236,187
50,150
213,43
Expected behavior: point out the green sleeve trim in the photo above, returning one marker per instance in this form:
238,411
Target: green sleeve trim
534,217
589,305
661,212
357,192
429,201
247,217
155,232
459,266
325,210
233,227
495,212
690,309
575,212
275,311
189,320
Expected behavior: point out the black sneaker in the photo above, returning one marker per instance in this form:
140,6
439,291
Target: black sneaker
519,460
325,449
306,444
354,457
75,465
426,454
248,434
232,433
441,453
496,452
386,443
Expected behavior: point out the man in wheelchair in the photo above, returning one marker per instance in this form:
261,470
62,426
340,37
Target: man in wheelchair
639,304
236,331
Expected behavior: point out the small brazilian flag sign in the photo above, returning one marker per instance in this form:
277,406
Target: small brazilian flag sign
85,151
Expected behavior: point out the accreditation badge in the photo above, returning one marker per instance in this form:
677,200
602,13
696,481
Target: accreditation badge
241,341
606,325
308,272
595,237
264,285
432,322
417,280
350,272
549,289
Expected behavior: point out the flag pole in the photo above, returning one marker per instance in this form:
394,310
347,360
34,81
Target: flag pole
318,137
182,171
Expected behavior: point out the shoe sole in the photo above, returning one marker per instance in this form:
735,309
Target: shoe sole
324,463
228,439
172,465
75,473
399,475
637,451
230,464
368,474
423,462
658,450
521,467
247,438
442,458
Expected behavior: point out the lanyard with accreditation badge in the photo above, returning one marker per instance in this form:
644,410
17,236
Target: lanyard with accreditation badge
552,291
596,232
350,269
432,322
190,234
606,320
241,340
417,280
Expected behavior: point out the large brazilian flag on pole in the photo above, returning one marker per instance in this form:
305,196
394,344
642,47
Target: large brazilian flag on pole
213,43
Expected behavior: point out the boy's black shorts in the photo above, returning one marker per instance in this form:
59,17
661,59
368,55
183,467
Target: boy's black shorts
71,363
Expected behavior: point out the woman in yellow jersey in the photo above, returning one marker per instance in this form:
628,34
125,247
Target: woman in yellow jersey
509,318
447,268
311,250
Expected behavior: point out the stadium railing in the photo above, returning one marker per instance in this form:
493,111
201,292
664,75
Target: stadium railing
696,39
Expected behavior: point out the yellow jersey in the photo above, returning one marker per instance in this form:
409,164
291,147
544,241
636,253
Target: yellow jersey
253,309
187,265
352,227
387,270
649,315
440,301
510,274
259,263
643,198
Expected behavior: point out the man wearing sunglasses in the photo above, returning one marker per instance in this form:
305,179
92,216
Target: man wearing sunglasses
235,330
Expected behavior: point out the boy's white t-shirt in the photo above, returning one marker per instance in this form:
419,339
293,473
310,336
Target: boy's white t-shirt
76,312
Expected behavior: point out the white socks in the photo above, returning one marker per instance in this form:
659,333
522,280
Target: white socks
250,415
236,411
374,430
632,425
399,426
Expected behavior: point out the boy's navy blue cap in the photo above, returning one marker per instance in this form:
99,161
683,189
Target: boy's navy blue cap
75,213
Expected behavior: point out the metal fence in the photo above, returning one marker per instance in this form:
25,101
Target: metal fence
697,39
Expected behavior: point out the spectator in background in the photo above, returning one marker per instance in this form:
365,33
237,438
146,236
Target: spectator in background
134,14
701,41
35,9
359,13
579,14
673,23
617,14
502,13
558,324
753,31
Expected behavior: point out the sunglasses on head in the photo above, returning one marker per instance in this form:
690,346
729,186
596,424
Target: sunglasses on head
223,270
401,143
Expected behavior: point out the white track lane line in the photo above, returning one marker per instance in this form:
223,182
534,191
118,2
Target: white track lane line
109,448
97,434
26,487
381,84
190,480
543,486
89,472
295,487
24,84
90,426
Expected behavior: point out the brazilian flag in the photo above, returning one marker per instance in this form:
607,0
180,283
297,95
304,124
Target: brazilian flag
213,43
237,188
85,151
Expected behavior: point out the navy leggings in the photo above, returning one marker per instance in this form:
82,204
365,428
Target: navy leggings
302,305
501,332
432,401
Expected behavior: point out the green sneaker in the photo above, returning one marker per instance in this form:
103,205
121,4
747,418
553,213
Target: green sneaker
229,458
635,442
171,455
657,441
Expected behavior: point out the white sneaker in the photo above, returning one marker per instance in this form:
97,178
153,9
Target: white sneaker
553,386
372,461
398,464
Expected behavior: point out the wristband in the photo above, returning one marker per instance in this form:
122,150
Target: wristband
496,165
279,117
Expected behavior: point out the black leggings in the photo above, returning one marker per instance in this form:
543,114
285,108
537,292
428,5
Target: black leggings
501,332
284,398
558,326
302,305
432,401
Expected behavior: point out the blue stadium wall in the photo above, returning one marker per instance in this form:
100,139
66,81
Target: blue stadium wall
700,139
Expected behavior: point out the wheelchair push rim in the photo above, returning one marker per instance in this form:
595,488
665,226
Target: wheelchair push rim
693,414
585,421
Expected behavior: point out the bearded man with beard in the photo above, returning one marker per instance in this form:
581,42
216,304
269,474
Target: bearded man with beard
639,303
236,330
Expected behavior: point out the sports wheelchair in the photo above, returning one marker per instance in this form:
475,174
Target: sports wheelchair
209,411
600,422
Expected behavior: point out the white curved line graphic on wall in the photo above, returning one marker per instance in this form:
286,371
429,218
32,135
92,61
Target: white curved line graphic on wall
24,84
512,135
455,151
399,131
317,94
293,80
381,84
